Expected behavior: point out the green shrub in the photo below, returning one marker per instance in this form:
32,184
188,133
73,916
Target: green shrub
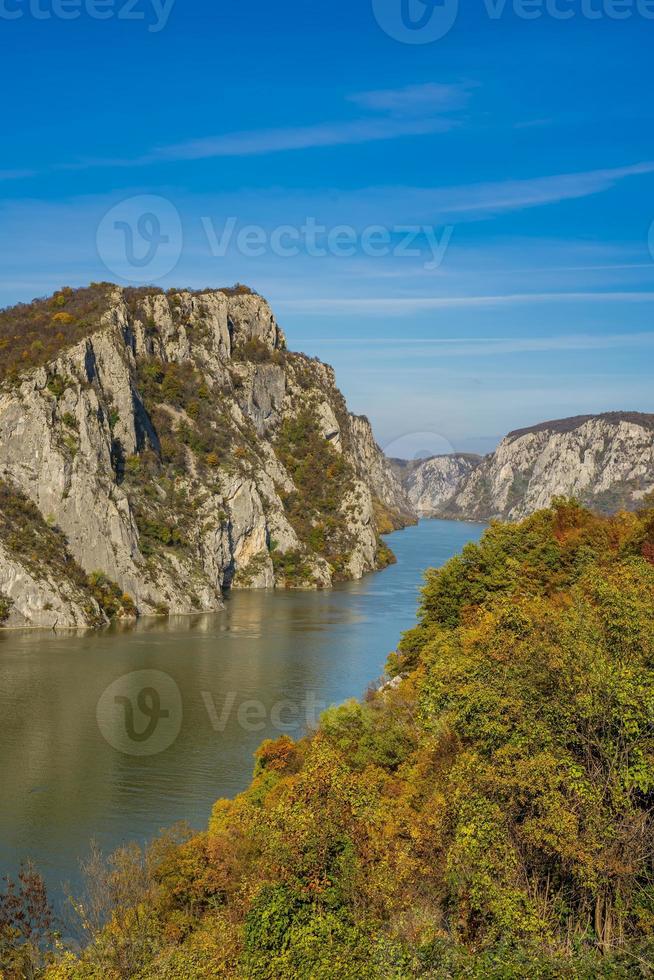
110,597
5,608
41,547
322,478
292,567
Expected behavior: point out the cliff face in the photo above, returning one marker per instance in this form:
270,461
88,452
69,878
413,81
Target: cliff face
430,484
607,461
178,448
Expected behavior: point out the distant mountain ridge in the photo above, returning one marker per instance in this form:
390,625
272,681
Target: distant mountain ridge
576,421
605,460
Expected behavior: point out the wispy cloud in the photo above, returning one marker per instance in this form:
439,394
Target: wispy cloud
491,346
259,142
417,110
466,202
401,305
415,99
541,190
398,204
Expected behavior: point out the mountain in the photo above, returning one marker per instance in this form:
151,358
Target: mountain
157,448
430,483
606,461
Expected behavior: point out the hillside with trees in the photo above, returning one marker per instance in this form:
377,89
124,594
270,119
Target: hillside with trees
487,812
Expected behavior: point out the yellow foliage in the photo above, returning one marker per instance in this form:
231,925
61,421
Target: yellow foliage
62,318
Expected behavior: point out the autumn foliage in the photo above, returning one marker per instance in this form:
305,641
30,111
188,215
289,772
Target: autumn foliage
486,814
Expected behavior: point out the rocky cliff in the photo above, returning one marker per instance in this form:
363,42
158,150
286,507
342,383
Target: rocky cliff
169,446
606,461
431,483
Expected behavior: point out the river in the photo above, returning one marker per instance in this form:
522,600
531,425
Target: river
79,760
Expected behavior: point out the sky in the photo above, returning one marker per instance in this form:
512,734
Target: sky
450,202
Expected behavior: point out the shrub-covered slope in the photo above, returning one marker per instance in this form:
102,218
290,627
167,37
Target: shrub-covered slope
182,449
487,813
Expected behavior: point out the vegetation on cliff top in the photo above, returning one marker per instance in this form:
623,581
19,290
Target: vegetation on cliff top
33,334
487,814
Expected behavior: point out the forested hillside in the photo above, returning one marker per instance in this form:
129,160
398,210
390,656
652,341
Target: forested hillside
486,813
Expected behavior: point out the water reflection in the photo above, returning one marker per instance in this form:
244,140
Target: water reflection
269,662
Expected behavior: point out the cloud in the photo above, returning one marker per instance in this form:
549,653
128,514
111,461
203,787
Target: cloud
260,142
491,346
469,202
532,192
398,204
415,99
415,110
401,305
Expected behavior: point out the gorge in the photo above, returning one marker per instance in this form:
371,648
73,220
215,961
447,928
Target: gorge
165,458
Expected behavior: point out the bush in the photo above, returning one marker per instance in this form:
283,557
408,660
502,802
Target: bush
292,567
256,351
112,600
5,608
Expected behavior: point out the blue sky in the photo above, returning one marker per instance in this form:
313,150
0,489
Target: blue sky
483,200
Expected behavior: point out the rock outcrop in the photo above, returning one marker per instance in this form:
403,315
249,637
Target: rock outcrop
179,449
605,461
431,483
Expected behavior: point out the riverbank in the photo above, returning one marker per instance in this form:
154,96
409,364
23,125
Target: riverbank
266,665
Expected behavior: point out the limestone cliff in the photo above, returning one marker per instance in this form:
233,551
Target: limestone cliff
430,483
606,461
178,448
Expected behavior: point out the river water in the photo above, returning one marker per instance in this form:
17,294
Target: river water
115,735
